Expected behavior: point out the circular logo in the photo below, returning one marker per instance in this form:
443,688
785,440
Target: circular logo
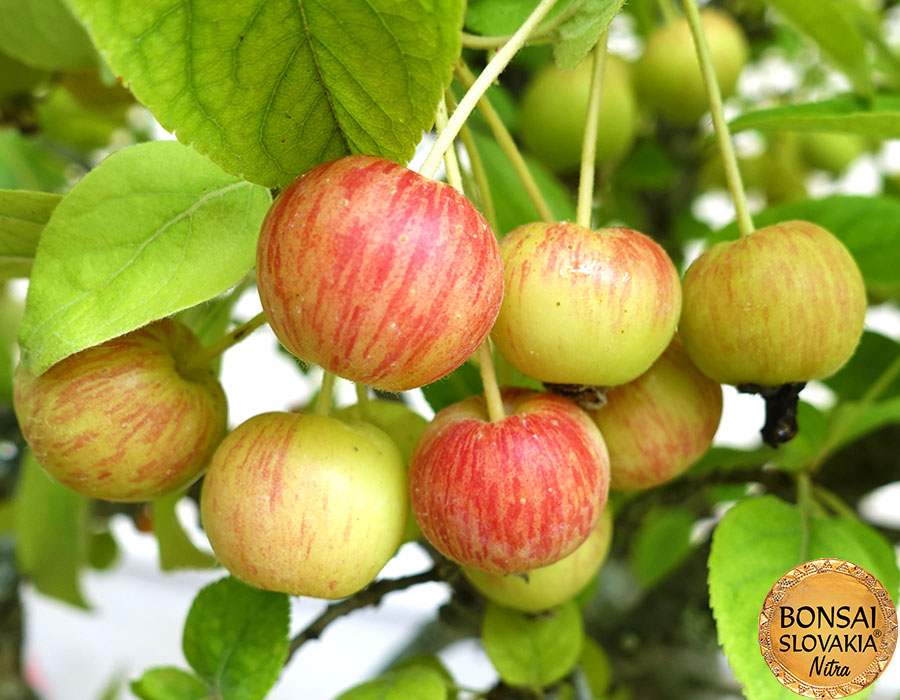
828,628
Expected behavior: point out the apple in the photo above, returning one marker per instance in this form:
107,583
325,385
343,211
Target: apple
305,504
554,108
832,152
511,495
551,585
658,425
378,274
126,420
585,307
403,426
668,74
785,304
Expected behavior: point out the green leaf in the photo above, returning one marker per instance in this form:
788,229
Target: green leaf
597,668
167,683
500,17
878,117
812,432
725,458
433,663
413,683
26,164
660,544
44,34
51,533
868,226
236,638
460,384
513,206
874,353
576,36
23,215
532,650
135,241
862,420
757,542
176,551
270,88
838,36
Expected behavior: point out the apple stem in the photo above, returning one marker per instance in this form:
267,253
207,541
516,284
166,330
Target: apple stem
451,162
233,337
362,400
489,380
508,144
493,69
324,400
479,174
668,12
589,145
723,137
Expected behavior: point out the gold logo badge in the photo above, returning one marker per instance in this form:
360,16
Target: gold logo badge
827,629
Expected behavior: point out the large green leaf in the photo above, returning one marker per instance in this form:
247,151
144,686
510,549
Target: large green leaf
26,164
757,542
530,650
660,544
861,419
868,226
873,355
23,215
236,638
133,242
270,88
878,117
44,34
577,35
413,683
51,533
836,33
499,17
176,551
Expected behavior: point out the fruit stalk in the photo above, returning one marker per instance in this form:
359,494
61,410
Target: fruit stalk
667,11
508,144
493,69
479,174
589,148
324,400
723,137
233,337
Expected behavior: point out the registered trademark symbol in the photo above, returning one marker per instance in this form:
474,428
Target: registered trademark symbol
877,633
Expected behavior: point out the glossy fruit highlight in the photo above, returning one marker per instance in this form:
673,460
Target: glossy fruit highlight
512,495
305,504
585,307
658,425
378,274
785,304
126,420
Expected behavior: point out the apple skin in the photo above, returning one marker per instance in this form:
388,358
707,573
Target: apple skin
832,152
512,495
551,585
124,421
658,425
668,74
785,304
305,504
403,426
585,307
554,108
378,274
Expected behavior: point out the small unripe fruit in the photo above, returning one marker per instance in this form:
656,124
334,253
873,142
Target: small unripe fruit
785,304
668,74
585,307
127,420
378,274
658,425
305,504
551,585
554,107
511,495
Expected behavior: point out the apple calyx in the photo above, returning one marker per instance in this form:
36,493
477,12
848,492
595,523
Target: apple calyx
781,410
588,396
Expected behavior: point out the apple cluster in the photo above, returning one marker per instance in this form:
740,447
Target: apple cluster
394,280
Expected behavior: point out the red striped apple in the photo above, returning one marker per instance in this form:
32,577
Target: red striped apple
551,585
783,305
305,504
378,274
127,420
658,425
585,307
512,495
